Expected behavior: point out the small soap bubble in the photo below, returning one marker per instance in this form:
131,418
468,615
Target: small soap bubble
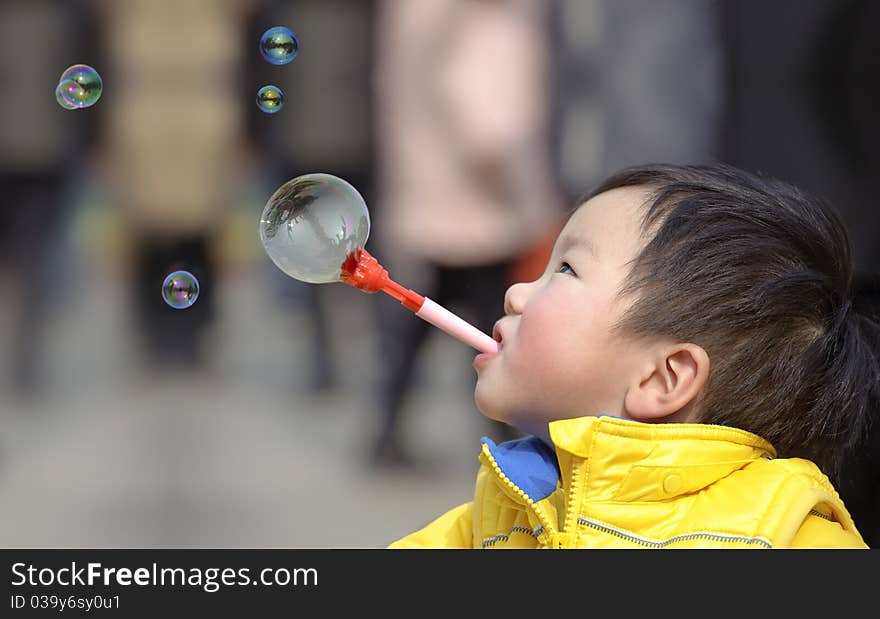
87,89
311,224
270,99
180,289
279,45
61,95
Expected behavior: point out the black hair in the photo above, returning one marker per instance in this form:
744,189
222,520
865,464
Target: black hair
759,274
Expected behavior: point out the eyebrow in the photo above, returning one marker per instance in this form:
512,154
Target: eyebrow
577,240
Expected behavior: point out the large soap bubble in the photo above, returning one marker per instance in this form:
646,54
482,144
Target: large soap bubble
311,224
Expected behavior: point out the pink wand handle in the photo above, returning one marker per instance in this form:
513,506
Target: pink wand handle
442,318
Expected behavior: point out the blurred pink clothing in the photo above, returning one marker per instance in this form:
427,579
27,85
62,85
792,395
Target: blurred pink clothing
463,113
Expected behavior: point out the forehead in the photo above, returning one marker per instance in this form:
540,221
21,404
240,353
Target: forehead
608,221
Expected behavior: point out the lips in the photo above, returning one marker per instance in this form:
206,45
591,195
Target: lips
483,358
497,335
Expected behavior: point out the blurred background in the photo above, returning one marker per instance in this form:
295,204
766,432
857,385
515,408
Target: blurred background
273,413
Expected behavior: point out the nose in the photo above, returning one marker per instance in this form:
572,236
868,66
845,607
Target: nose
515,298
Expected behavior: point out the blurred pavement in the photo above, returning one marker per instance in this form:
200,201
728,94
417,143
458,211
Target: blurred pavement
238,454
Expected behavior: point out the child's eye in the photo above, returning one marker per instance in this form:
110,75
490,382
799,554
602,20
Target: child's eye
565,268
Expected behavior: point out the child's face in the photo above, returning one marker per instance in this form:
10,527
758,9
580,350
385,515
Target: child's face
558,359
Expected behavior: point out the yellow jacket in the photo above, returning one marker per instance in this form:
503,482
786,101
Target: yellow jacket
615,483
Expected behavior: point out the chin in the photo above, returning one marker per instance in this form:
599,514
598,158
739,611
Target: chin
487,405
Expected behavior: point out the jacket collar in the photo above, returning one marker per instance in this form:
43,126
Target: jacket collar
528,463
649,461
640,461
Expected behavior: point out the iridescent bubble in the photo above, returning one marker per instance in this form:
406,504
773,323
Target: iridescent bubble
311,224
89,82
270,99
61,93
180,289
279,45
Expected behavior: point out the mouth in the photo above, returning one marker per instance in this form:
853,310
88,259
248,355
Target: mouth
497,335
483,358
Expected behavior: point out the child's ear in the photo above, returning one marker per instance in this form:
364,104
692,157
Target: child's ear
672,380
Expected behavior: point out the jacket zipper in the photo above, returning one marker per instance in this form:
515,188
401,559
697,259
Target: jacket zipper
560,537
542,518
567,526
651,543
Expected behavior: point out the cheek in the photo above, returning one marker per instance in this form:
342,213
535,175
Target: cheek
550,337
538,350
560,344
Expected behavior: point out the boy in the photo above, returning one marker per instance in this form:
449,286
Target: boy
688,370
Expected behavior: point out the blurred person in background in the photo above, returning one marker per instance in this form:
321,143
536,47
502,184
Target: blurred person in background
639,80
325,126
465,181
173,142
42,146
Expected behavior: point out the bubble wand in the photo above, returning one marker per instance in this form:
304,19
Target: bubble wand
315,227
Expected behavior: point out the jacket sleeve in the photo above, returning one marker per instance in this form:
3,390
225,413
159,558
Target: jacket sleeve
451,530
